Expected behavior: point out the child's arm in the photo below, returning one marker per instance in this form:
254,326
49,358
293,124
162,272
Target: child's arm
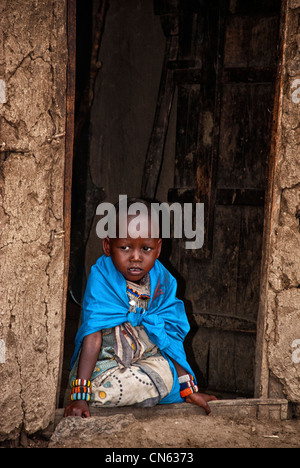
199,399
90,349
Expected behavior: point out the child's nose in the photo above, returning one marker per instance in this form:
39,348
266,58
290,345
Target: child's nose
136,255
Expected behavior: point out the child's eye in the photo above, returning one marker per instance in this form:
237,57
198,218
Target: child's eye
147,249
124,247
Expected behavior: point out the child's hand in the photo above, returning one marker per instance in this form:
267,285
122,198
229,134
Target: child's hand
78,408
200,399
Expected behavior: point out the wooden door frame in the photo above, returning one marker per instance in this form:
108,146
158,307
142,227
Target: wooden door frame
261,367
70,124
261,371
68,172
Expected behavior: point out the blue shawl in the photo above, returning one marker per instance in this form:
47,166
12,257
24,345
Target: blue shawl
106,305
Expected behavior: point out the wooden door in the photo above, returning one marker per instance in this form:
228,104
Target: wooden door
225,79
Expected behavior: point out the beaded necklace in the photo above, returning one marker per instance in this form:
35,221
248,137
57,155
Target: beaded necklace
141,296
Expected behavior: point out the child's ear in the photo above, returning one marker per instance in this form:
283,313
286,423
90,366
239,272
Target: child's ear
159,243
106,246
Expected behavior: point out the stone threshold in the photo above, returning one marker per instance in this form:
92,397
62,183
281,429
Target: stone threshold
260,408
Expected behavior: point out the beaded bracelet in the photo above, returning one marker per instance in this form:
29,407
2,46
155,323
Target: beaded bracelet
81,390
80,396
185,378
187,385
188,391
81,383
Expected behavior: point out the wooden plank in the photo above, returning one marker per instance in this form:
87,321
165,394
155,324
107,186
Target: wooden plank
156,146
187,129
212,287
234,270
225,361
94,67
181,64
225,323
245,143
181,195
209,117
250,42
164,7
249,262
188,76
238,197
249,75
187,33
231,362
255,7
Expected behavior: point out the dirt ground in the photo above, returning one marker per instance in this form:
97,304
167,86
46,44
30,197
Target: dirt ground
177,427
180,432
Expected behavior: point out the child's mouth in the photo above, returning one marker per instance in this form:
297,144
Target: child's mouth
135,270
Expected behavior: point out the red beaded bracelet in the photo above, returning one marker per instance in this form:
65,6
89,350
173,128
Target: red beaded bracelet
189,391
81,390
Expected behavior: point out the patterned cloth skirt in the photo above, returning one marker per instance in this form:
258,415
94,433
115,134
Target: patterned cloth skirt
130,370
144,383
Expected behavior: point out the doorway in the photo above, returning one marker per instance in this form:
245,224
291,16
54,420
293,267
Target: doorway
215,87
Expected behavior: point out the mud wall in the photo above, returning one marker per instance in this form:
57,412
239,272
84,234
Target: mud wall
280,327
33,54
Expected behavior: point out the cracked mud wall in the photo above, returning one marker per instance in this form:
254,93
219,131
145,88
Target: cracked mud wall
33,56
281,341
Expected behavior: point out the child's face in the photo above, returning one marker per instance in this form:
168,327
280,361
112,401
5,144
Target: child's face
132,257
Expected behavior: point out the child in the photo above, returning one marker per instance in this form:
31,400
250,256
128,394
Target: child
129,348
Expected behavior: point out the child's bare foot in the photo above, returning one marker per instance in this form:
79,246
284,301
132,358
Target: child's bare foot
201,399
